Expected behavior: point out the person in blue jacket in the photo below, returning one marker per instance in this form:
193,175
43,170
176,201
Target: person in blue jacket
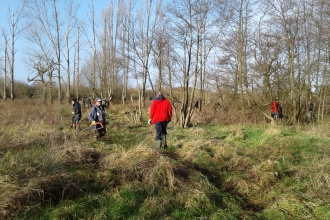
97,119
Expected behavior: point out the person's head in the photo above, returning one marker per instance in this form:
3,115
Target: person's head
73,100
159,94
98,101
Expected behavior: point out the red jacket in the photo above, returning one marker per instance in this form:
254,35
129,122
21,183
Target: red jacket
160,110
274,106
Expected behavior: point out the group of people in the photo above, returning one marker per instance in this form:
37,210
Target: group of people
160,116
96,117
276,110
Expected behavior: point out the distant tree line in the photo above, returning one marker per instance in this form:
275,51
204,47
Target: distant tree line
247,52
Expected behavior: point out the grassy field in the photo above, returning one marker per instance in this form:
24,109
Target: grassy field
49,171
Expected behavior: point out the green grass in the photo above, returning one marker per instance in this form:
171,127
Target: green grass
208,172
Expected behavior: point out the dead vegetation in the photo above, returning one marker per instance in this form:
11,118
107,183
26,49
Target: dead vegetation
210,171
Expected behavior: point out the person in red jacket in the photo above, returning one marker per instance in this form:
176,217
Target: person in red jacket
160,115
274,107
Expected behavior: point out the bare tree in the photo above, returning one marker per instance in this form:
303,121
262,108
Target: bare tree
288,18
5,66
90,72
142,40
47,23
76,74
267,64
318,79
109,42
71,17
106,61
126,31
125,39
159,47
15,30
235,25
44,74
188,20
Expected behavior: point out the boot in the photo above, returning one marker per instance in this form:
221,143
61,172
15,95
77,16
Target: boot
159,143
164,141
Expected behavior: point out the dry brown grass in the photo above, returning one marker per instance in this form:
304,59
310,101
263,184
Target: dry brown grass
143,164
51,183
45,162
38,149
227,114
26,123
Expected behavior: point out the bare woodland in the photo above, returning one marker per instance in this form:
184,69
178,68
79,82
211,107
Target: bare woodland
240,54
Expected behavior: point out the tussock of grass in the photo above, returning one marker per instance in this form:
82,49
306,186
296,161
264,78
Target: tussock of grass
236,134
316,131
160,205
293,207
79,155
35,178
273,131
143,164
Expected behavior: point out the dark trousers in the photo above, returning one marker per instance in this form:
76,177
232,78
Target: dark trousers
274,115
100,131
160,129
75,120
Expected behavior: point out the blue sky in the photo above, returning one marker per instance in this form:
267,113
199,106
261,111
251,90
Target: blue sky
21,74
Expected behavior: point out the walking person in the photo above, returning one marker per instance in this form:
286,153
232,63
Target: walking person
196,106
160,115
310,109
76,114
97,119
274,107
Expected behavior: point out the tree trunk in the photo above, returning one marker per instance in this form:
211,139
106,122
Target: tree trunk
5,71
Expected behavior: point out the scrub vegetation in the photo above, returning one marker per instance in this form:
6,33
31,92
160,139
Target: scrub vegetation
209,171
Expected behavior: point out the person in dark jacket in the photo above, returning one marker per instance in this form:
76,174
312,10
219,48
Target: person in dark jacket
160,115
310,110
97,119
76,113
